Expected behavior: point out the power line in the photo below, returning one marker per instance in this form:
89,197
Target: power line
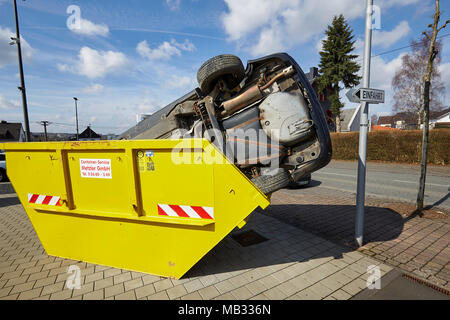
401,48
70,125
96,126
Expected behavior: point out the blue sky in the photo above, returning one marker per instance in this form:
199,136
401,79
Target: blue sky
130,57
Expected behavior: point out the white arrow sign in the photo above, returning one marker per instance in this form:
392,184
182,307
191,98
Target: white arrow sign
351,95
365,95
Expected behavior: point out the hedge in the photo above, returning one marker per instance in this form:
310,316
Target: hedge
394,146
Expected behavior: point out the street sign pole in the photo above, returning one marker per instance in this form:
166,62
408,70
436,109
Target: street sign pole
364,126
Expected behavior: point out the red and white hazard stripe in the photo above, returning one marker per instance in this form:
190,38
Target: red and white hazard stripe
186,211
43,199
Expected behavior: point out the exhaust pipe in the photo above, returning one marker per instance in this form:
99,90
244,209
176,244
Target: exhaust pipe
252,95
248,97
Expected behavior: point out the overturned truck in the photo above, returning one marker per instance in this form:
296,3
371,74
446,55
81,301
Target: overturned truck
265,119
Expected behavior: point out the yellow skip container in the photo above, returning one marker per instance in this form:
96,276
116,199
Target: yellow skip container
153,206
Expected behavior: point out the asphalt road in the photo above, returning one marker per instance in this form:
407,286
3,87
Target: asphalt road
392,181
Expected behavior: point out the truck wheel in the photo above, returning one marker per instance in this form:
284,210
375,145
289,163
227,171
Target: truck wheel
271,183
226,65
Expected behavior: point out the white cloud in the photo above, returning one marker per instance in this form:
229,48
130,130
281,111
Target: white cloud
96,64
244,17
94,88
146,106
8,104
88,28
63,67
185,46
383,71
165,50
173,4
387,38
181,82
290,21
8,53
319,44
270,40
266,26
393,3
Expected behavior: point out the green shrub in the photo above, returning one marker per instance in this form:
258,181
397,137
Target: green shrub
394,146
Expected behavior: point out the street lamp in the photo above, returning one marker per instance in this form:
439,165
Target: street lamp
76,112
16,40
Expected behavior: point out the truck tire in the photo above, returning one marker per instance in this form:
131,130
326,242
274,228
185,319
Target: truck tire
271,183
226,65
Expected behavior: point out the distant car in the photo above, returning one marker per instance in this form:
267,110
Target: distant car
3,176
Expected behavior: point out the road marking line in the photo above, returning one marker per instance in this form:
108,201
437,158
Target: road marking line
431,184
410,182
337,174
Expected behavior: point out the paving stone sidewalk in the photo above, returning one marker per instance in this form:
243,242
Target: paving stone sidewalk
291,264
419,246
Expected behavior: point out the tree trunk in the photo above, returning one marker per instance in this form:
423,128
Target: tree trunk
426,129
338,106
426,106
338,123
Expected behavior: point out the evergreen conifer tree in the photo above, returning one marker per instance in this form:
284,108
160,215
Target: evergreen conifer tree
337,64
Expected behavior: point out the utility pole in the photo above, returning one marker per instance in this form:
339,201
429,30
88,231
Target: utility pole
45,124
76,113
16,40
364,124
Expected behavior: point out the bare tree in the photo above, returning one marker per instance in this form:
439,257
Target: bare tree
433,54
408,83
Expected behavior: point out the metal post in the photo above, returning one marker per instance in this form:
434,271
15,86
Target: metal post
364,124
22,80
76,113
